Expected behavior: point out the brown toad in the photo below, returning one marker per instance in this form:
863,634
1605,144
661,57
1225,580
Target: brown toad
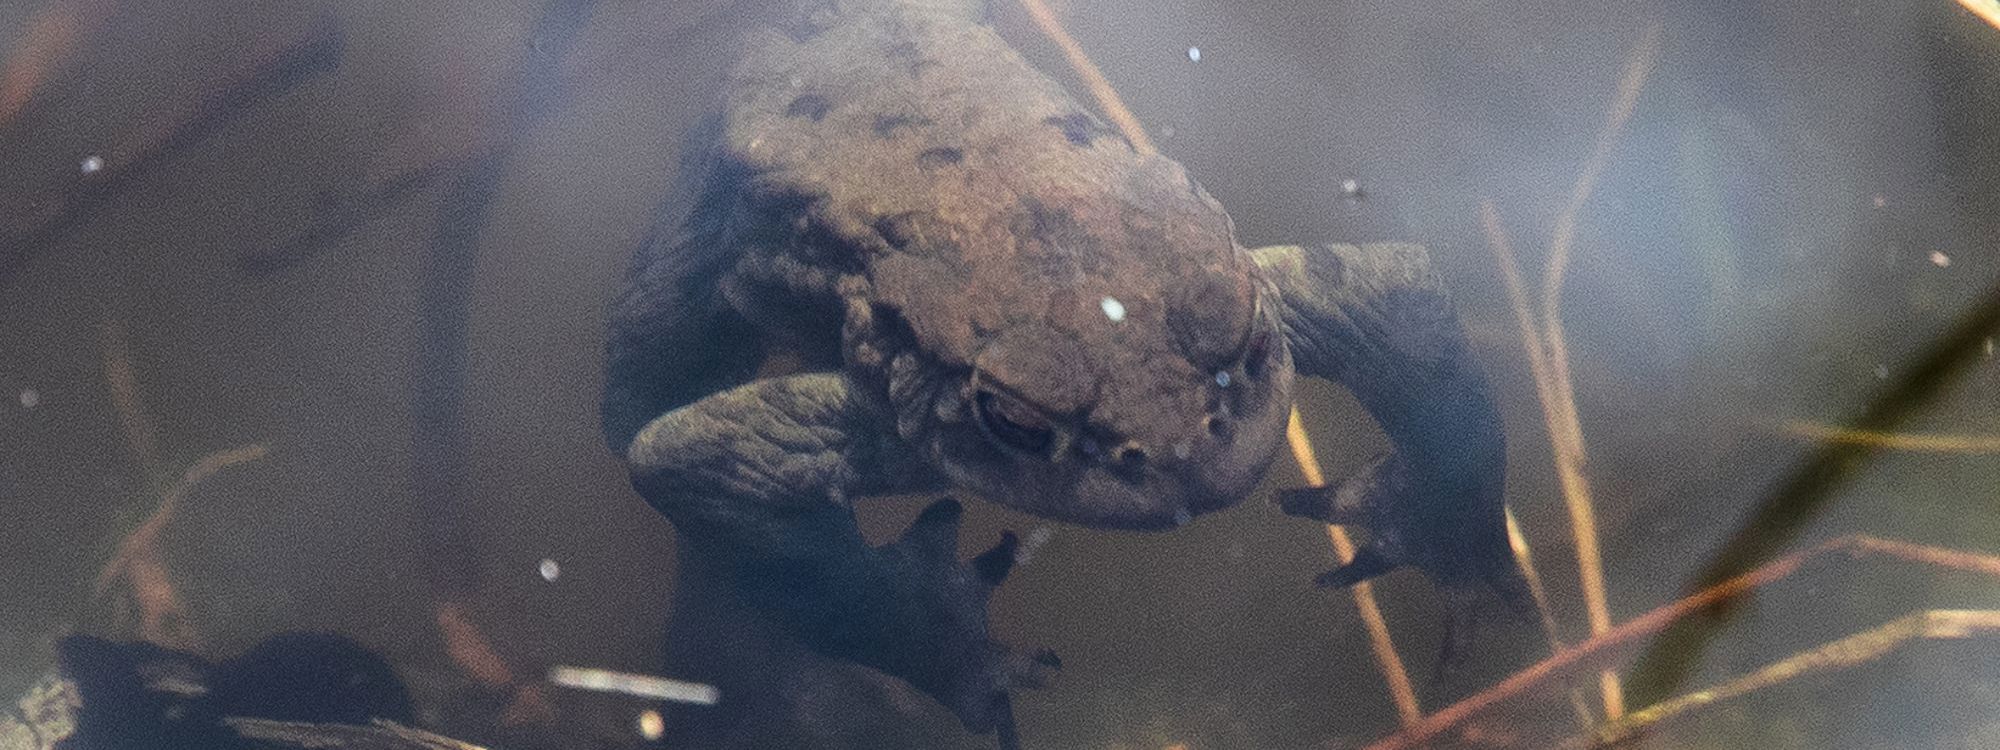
994,292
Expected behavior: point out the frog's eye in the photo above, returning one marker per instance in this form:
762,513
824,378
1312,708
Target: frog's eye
1257,354
1014,424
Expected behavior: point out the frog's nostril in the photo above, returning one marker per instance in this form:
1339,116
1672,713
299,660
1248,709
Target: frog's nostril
1128,459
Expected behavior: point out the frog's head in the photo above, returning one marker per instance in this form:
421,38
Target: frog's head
1117,437
1139,379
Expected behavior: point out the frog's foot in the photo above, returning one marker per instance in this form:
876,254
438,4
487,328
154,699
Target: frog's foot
1367,499
1456,545
938,639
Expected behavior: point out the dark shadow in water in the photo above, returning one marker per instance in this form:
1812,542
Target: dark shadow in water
1665,666
437,440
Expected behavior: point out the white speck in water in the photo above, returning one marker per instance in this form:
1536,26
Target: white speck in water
1222,379
1113,309
1350,187
652,725
92,164
31,398
1182,517
550,570
1881,201
1194,54
1881,372
1939,259
1183,449
1989,348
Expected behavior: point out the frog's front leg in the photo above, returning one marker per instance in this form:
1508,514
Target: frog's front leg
758,477
1376,319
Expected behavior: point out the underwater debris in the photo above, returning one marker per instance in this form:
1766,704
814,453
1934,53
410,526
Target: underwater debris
640,685
1602,651
1846,653
266,73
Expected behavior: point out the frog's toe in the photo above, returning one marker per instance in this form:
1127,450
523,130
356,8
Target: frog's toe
1368,563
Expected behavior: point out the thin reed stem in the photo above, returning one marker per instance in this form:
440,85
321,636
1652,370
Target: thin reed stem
1386,659
1408,711
1605,649
1093,79
1986,10
1901,441
1846,653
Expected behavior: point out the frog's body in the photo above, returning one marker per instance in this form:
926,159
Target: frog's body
994,292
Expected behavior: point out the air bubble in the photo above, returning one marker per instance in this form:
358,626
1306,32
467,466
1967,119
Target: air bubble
30,398
1222,379
92,164
549,569
1113,309
1194,54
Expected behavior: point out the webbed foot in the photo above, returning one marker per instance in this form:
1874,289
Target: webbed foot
938,639
1458,541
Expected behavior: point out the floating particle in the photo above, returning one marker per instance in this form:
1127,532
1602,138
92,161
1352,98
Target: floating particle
1113,309
1939,259
549,570
31,398
637,685
92,164
1881,201
1194,54
1351,188
1989,348
652,726
1222,379
1881,372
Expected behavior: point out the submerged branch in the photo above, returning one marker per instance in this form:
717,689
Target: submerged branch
1986,10
265,73
1895,441
1852,651
1408,711
1100,87
1604,650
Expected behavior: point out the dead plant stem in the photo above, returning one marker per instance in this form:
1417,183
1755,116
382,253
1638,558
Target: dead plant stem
1114,108
1605,649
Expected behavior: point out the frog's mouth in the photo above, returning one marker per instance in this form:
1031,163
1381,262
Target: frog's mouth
1073,483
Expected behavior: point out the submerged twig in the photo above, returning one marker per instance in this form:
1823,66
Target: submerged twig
141,563
1548,349
1100,87
1986,10
1784,512
1524,558
1852,651
1896,441
1604,650
47,40
265,73
1386,659
1408,711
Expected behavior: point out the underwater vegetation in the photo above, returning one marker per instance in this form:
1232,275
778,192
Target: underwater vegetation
1620,683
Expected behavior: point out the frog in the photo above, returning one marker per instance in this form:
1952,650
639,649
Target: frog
984,290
